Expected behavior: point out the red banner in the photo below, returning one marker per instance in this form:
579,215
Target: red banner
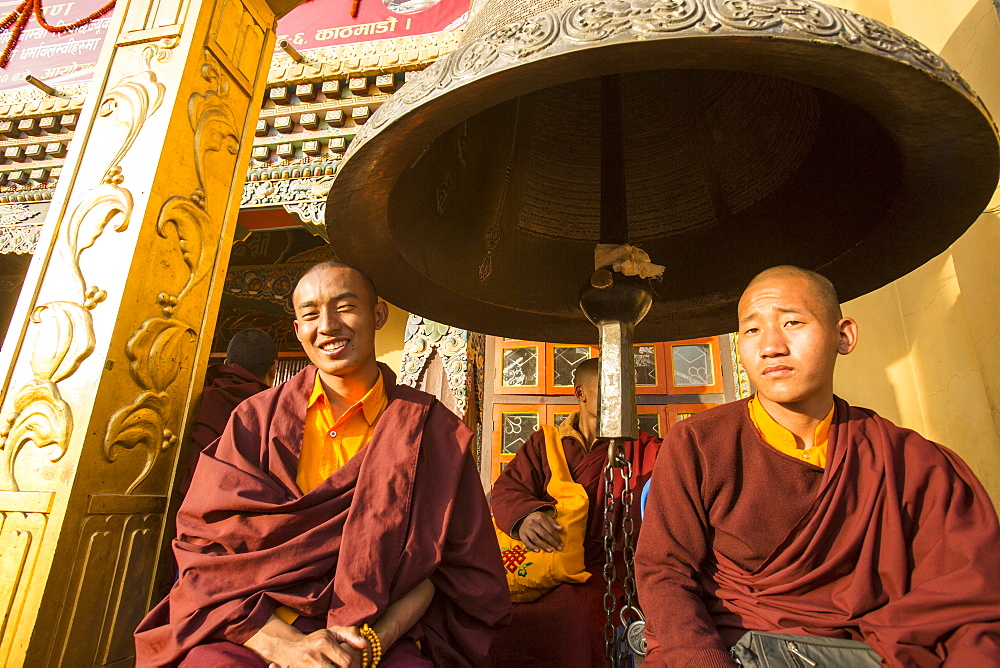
57,59
69,58
322,23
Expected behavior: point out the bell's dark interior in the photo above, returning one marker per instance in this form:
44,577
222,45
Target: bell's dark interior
738,151
717,164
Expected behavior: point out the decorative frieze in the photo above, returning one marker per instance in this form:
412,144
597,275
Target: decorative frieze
19,229
365,58
312,112
32,102
312,215
272,283
281,191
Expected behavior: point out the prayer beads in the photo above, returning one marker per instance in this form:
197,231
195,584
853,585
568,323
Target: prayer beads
373,654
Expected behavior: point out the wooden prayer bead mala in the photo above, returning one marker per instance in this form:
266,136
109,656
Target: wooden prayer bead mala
375,648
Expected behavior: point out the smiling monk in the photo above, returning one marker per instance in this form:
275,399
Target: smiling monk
800,516
337,499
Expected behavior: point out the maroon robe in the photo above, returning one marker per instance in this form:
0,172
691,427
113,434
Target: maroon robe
565,627
894,543
226,387
409,506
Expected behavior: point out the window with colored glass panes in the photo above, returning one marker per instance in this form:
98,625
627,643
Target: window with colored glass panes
528,383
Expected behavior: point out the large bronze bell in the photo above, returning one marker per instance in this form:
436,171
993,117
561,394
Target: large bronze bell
752,134
720,136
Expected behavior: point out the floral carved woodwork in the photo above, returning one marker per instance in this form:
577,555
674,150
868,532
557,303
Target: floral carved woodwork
312,215
64,329
164,344
460,352
18,233
741,380
271,284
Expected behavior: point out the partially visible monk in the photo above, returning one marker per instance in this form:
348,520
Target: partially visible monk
793,512
565,627
249,367
335,500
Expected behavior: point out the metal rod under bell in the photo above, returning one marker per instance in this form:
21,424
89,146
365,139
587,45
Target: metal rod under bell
618,416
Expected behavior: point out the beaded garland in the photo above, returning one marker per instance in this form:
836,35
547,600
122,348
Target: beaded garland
19,18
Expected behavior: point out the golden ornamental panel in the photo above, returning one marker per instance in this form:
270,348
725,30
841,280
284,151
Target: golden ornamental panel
64,329
104,349
115,558
236,40
21,534
164,344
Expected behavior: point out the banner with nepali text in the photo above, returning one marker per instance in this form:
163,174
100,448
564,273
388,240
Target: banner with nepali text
62,59
58,59
321,23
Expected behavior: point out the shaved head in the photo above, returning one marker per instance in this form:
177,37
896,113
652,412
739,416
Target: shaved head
585,376
337,264
336,316
791,333
820,286
253,349
585,371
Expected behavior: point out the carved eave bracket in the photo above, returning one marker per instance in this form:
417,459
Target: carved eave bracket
461,355
304,197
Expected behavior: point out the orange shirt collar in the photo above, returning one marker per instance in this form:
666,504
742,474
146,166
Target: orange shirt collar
372,404
782,439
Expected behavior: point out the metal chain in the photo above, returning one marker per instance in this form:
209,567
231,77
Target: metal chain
618,461
610,642
628,528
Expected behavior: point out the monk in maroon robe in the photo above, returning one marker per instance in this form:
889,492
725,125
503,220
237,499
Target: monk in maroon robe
796,513
249,368
565,627
398,537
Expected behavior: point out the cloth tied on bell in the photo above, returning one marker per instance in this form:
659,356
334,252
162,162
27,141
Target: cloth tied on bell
626,259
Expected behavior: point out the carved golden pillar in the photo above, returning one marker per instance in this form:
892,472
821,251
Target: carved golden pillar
106,348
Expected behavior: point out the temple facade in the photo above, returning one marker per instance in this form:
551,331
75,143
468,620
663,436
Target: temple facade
164,186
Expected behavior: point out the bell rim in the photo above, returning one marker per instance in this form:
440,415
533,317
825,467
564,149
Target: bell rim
410,100
385,146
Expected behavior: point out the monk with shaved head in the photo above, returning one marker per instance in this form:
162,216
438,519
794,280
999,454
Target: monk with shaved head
793,529
339,520
565,626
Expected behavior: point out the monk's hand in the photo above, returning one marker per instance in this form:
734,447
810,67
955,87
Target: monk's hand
339,646
284,646
355,653
336,646
538,531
